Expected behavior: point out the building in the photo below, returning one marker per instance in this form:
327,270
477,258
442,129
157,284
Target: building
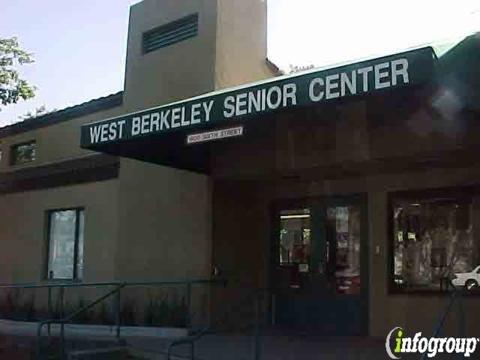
352,192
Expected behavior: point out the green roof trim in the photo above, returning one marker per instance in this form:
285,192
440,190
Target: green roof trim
83,109
227,106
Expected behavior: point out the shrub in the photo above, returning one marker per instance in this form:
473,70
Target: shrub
160,312
27,309
103,316
127,313
85,317
13,308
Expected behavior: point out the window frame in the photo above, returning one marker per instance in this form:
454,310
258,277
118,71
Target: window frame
48,215
419,194
13,147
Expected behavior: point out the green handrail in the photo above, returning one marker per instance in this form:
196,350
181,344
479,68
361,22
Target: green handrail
58,284
68,319
455,297
118,287
191,340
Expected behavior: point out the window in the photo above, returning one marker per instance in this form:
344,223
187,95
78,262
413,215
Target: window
343,238
169,34
294,246
320,247
23,153
434,239
65,244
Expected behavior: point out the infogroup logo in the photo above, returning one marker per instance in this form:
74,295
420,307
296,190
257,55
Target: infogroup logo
397,344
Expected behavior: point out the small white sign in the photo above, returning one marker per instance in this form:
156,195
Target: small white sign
215,135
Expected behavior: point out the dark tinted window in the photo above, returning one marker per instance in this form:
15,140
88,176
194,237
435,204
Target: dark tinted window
433,238
23,153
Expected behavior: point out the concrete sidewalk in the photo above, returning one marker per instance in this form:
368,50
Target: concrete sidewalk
232,347
278,347
240,347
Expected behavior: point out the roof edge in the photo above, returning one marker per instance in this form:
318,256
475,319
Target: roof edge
86,108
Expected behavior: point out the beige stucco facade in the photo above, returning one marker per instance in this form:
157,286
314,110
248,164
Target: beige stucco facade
172,217
143,222
56,143
24,246
183,70
148,222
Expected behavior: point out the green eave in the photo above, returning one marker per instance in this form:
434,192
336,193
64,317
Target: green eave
459,71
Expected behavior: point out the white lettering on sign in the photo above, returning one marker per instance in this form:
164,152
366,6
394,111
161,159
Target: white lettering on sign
322,86
381,72
106,132
332,86
316,94
215,135
364,72
348,82
260,100
380,76
195,115
153,122
207,107
400,68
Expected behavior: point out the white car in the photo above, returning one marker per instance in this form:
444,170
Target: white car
470,280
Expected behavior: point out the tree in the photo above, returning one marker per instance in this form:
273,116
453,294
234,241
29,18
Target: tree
39,111
299,68
12,87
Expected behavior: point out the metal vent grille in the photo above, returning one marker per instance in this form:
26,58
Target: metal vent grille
170,33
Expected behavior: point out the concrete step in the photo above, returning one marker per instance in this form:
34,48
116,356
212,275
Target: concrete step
25,347
143,354
113,353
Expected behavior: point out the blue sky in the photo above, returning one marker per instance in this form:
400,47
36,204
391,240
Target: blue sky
79,46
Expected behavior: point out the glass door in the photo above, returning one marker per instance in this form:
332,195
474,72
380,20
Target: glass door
342,253
294,250
319,267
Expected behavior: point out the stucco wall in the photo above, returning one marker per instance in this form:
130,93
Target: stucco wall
55,143
175,72
230,49
165,222
241,50
164,233
23,240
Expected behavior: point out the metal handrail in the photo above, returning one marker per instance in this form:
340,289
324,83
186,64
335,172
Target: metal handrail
68,319
118,286
191,340
454,297
55,284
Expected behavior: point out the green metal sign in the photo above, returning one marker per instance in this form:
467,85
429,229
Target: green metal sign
220,108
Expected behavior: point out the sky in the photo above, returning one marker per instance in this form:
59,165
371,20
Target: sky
80,46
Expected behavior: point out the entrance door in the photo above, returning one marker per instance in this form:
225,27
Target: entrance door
319,272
